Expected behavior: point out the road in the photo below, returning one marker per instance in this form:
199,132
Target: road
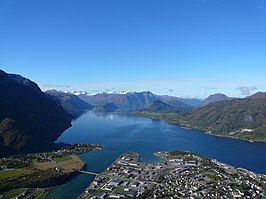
117,177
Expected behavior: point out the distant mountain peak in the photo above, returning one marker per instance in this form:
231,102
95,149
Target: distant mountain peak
215,98
116,92
79,92
218,95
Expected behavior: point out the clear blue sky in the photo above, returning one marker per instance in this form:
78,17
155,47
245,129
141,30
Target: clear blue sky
176,47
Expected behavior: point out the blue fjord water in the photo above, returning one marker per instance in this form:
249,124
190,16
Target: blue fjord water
121,133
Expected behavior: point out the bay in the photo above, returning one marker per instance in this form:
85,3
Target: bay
119,133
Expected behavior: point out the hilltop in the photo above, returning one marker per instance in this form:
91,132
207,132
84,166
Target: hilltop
215,98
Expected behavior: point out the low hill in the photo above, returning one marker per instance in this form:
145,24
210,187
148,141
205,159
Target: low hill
29,119
161,107
162,111
108,107
70,103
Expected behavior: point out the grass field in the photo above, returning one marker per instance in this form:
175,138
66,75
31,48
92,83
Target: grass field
68,165
14,173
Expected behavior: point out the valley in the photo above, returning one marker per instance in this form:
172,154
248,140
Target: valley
109,119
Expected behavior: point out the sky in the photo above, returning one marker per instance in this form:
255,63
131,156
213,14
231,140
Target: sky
186,48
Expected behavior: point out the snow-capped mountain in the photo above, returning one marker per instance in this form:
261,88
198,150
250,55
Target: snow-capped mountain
123,99
78,93
130,100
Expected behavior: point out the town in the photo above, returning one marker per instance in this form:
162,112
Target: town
181,175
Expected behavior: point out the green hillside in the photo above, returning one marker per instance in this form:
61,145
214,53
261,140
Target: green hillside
237,118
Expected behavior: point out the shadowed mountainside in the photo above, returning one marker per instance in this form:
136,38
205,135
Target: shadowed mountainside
29,120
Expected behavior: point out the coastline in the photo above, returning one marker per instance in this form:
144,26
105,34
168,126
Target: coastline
159,118
43,171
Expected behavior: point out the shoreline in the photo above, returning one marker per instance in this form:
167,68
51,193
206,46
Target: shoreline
200,130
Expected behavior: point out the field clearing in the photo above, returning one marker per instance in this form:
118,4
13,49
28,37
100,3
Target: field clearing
66,166
14,173
61,159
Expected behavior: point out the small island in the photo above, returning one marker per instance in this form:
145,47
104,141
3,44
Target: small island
180,175
40,171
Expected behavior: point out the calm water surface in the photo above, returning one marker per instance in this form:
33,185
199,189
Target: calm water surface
119,133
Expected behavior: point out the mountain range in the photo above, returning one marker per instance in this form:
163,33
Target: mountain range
128,101
133,101
238,118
